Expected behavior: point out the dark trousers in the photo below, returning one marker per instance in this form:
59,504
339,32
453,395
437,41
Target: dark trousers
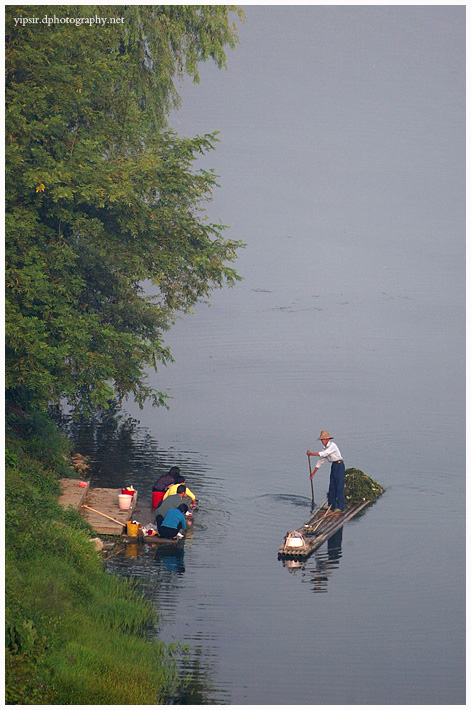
168,533
336,495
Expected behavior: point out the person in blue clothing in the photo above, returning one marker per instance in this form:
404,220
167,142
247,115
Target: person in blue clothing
173,522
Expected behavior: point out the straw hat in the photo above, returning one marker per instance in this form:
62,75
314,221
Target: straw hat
325,435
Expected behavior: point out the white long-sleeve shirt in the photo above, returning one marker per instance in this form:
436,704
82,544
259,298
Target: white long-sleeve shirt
330,452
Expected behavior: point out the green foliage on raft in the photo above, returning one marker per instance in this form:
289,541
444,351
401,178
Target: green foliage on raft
75,635
360,487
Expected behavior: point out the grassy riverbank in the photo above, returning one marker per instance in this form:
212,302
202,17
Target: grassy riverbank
74,634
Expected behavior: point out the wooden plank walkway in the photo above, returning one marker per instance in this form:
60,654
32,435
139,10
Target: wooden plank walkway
103,499
106,501
71,493
316,530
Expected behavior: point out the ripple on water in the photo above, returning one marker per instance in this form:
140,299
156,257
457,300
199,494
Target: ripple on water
298,501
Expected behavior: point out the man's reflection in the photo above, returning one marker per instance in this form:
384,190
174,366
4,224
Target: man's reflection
326,562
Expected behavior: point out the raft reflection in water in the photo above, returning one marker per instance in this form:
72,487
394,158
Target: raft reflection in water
325,562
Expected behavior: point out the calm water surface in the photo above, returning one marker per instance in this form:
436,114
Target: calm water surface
342,168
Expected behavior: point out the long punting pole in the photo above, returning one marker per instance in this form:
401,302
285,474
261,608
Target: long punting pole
310,477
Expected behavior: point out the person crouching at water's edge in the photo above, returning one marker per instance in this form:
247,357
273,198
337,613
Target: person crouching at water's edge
173,501
171,490
173,522
336,494
162,484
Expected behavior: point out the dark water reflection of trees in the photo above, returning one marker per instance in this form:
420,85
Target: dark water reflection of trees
122,452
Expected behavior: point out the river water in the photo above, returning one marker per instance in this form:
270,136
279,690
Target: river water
341,166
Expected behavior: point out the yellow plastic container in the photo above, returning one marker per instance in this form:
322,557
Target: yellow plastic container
132,529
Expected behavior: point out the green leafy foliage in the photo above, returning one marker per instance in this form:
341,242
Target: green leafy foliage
360,487
101,197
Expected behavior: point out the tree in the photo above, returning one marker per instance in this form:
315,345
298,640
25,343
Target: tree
101,197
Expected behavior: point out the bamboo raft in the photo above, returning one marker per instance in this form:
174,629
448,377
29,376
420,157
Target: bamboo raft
316,530
143,537
153,540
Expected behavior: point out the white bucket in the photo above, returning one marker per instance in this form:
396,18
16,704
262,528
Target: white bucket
124,501
294,539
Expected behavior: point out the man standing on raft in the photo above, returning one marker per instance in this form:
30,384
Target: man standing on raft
336,495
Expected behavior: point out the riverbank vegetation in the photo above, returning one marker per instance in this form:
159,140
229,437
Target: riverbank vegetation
101,198
74,634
